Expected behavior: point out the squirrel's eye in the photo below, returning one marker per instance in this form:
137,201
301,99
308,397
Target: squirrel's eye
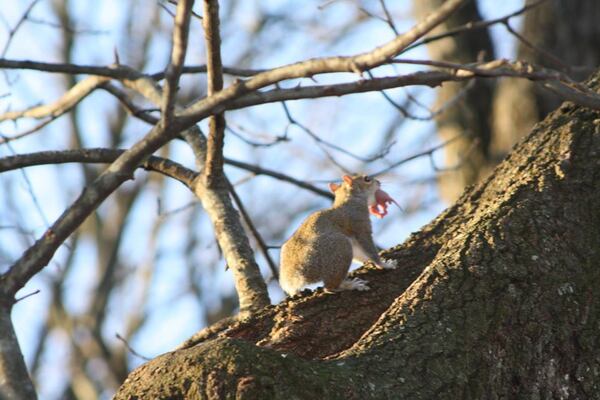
367,179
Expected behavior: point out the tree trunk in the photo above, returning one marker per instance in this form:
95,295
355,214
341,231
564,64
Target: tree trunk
566,36
496,298
466,105
489,119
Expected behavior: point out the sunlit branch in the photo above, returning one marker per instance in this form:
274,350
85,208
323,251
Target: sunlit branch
65,103
173,73
354,64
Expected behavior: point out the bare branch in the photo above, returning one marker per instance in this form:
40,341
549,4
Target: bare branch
128,104
213,188
428,152
113,71
552,80
277,175
37,128
131,350
180,39
244,72
275,141
321,144
473,26
357,64
213,167
16,383
458,72
153,163
13,31
388,17
70,99
544,53
97,155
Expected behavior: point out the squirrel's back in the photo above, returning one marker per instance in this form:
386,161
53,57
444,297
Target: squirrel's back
316,251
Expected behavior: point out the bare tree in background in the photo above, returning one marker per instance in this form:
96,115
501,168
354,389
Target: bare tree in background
490,118
186,112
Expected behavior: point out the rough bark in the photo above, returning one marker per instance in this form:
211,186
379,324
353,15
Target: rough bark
496,298
15,384
229,231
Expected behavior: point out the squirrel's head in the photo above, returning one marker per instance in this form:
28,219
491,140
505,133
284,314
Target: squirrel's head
363,186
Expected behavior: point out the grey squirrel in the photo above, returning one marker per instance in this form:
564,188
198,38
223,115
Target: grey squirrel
322,247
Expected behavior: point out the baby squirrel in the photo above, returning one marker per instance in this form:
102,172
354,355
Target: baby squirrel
322,248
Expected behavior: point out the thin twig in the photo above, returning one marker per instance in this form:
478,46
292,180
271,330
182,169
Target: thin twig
321,144
264,249
131,350
27,295
277,175
544,53
13,31
173,72
38,127
128,104
113,71
275,141
462,158
388,17
65,103
354,64
428,152
325,143
29,185
472,26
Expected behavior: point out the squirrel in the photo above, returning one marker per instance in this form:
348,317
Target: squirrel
322,247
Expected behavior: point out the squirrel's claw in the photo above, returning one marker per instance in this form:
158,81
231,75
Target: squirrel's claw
354,284
387,264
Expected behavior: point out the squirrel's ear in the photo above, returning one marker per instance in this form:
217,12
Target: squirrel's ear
347,179
333,187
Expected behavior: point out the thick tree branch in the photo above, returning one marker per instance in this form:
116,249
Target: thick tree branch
99,155
456,72
213,188
161,165
213,167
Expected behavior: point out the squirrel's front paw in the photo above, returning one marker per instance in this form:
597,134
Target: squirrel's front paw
354,284
392,264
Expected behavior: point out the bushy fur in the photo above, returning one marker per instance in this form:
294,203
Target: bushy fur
321,248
